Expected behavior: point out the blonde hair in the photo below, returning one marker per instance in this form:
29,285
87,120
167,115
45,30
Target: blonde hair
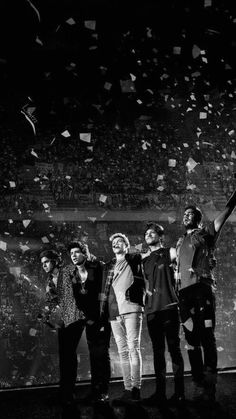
122,236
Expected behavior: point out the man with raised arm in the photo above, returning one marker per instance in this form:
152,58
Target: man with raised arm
195,261
122,300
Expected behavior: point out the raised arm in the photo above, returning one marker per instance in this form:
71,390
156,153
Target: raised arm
224,215
173,254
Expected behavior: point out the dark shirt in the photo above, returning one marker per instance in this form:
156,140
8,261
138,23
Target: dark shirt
195,252
160,275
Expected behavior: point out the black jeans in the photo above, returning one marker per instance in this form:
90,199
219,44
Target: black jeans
197,308
98,344
165,324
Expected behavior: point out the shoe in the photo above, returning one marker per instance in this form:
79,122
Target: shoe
198,390
155,400
135,392
101,398
69,410
89,398
176,400
126,397
209,395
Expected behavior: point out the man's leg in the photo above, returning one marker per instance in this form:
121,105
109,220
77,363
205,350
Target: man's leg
156,332
68,339
209,342
98,343
133,325
190,317
172,326
119,332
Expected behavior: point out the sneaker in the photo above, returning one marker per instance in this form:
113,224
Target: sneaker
102,398
89,398
155,400
135,394
126,397
176,400
198,390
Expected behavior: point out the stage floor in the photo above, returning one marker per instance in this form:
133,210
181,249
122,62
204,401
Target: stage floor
43,403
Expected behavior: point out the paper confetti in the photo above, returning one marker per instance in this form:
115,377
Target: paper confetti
45,239
26,223
90,24
102,198
3,245
86,137
172,163
70,21
65,134
191,164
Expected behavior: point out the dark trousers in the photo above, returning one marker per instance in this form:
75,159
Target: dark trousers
98,345
163,325
197,311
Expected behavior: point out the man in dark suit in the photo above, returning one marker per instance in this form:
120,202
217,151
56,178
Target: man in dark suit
77,292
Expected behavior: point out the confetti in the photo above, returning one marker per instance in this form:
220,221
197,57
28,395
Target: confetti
188,324
90,24
177,50
93,219
86,137
191,164
172,163
44,239
102,198
32,332
24,247
191,187
108,86
26,223
3,245
127,86
65,134
34,153
71,21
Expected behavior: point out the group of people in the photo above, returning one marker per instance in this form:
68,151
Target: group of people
170,286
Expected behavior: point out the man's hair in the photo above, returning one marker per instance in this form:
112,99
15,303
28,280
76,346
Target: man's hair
197,212
50,254
154,226
122,236
77,245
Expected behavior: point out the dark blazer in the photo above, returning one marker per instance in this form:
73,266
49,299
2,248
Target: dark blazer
135,293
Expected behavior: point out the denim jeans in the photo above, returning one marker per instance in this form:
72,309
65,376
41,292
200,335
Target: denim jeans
127,333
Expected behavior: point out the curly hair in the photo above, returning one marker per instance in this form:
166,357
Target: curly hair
197,212
154,226
49,254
